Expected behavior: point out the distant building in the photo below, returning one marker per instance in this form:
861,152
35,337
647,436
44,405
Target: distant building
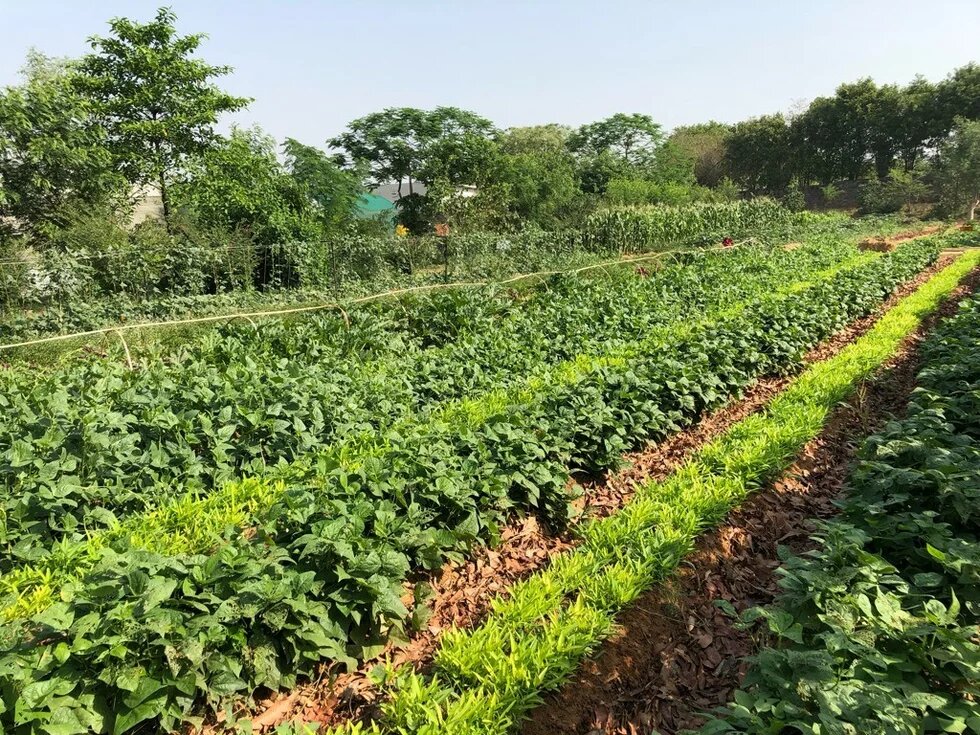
390,191
147,203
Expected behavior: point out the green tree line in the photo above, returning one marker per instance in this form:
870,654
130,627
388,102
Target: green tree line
82,140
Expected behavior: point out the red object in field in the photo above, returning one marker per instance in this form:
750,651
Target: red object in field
642,271
728,242
442,229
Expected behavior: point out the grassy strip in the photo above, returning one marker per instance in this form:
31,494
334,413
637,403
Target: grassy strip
533,640
876,629
193,524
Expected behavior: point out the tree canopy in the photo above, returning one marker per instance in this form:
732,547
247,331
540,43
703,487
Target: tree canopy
156,104
50,152
399,143
631,137
959,168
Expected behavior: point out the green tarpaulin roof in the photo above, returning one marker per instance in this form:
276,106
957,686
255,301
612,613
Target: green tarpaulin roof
371,205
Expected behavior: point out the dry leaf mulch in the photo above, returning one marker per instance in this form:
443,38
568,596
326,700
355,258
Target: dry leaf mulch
676,654
461,593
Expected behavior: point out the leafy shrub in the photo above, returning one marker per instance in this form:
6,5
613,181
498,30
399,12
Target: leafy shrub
794,200
900,189
830,194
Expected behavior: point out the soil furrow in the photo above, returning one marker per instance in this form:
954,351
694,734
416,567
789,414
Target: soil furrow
461,593
676,654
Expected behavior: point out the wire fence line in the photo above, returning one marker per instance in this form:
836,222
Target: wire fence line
339,305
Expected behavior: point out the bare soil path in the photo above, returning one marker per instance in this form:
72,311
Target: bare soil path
677,655
461,593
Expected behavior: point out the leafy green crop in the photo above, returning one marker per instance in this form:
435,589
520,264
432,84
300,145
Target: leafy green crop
484,680
181,604
85,445
876,630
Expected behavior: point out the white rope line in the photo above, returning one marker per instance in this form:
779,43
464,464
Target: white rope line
337,305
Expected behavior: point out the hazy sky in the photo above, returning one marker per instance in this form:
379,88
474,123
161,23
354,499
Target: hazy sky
313,66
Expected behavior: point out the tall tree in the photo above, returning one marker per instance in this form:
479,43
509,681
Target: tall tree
705,143
671,164
882,112
758,154
333,190
50,154
157,103
540,174
959,96
959,168
632,137
536,139
398,142
919,125
239,184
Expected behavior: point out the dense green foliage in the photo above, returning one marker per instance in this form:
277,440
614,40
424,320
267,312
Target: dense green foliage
239,185
876,630
863,131
637,229
231,403
705,144
644,191
82,142
50,153
484,680
156,104
399,144
258,581
959,169
111,275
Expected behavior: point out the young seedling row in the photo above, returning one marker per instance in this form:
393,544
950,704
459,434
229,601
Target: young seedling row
139,599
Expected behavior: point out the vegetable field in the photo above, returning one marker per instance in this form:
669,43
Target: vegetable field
223,517
876,629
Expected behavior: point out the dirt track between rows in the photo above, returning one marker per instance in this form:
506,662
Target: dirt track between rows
677,655
461,593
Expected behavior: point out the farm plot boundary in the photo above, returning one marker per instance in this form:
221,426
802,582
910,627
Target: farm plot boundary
487,679
460,594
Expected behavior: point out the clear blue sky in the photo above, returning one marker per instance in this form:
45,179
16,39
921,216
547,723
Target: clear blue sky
313,66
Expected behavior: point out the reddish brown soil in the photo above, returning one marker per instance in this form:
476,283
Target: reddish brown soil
676,655
887,243
461,593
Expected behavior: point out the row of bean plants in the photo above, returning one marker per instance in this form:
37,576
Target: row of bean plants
876,630
260,581
82,446
483,681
